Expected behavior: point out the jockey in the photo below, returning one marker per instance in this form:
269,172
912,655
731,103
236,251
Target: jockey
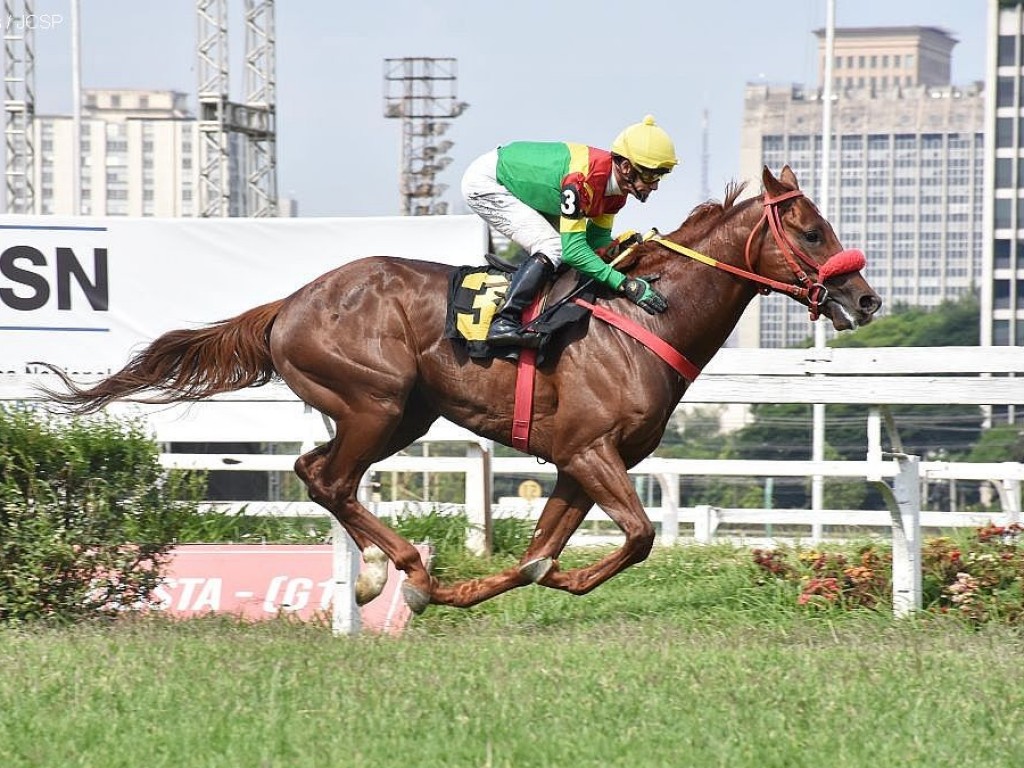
557,201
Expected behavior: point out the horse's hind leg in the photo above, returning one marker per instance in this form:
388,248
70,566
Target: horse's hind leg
332,473
310,464
373,575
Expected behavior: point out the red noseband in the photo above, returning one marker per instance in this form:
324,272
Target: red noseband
842,263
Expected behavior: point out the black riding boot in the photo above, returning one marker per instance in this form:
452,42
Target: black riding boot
507,327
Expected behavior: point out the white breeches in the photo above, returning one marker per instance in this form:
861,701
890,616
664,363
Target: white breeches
506,213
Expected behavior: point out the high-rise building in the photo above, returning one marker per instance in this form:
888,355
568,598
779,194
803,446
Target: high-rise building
1002,294
882,57
139,155
907,167
1002,297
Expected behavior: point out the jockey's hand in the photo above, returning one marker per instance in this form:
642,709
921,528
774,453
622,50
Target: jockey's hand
626,240
639,291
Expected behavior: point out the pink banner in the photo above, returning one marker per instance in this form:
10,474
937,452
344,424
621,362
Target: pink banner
264,581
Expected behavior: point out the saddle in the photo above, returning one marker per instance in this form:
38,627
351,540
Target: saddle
476,292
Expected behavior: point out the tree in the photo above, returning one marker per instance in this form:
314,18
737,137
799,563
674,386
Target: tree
1002,443
954,323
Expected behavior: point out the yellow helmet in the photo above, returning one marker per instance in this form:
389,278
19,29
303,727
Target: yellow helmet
646,145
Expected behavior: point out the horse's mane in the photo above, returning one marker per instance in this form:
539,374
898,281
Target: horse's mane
708,215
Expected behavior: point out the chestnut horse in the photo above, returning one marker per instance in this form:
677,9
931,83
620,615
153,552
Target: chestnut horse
365,345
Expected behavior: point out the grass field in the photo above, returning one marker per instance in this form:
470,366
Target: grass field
682,661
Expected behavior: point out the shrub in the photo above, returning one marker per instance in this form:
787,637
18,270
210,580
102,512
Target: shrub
825,579
87,515
511,535
987,584
214,527
979,578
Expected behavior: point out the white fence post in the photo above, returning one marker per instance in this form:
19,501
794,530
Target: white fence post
478,499
345,558
874,435
346,562
669,482
345,619
904,502
1009,497
705,521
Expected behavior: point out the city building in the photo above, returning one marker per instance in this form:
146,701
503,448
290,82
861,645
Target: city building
882,57
139,151
907,165
1002,294
1002,297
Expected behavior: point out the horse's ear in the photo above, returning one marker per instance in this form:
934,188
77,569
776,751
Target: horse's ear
772,186
788,177
776,186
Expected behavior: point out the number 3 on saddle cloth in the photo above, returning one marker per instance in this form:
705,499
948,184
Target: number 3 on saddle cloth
474,296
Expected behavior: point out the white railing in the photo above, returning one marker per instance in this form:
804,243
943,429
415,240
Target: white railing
870,376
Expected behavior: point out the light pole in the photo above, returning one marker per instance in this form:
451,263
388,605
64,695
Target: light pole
422,93
818,409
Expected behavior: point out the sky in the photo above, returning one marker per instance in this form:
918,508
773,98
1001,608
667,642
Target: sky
542,70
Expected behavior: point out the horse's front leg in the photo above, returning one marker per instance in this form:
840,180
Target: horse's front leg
602,477
562,515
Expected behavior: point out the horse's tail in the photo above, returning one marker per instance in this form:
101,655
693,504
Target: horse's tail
184,365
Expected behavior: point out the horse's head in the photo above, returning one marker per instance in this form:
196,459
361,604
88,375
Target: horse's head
800,248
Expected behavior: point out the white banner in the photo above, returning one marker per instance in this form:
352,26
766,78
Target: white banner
83,293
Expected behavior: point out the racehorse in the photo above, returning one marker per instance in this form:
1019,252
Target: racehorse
365,345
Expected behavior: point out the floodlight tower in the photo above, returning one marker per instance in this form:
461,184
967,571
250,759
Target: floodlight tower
238,141
422,92
260,88
19,105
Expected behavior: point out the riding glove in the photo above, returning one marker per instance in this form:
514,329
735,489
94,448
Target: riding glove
627,239
639,291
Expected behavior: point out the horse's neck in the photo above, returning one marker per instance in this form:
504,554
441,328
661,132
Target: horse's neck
723,297
726,241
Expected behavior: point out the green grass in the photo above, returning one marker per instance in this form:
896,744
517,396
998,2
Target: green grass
682,661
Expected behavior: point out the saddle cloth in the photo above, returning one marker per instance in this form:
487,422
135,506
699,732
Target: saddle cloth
474,295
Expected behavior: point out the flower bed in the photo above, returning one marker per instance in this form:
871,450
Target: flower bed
979,577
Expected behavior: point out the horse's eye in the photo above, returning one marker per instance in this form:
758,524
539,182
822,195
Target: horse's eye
812,236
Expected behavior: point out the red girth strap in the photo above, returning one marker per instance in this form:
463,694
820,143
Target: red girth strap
522,408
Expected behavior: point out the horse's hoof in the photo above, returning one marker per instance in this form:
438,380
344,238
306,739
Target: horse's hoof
415,598
373,576
535,570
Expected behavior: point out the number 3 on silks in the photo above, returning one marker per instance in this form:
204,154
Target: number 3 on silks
571,202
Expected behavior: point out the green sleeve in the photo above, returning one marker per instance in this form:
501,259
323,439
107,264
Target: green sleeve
581,257
597,236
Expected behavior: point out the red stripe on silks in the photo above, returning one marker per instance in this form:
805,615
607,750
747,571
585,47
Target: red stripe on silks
522,409
658,346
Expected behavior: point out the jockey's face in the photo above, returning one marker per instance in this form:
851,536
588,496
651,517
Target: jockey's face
637,181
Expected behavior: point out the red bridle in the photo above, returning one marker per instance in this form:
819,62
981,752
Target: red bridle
841,263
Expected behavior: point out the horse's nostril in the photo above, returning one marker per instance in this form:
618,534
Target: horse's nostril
870,303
